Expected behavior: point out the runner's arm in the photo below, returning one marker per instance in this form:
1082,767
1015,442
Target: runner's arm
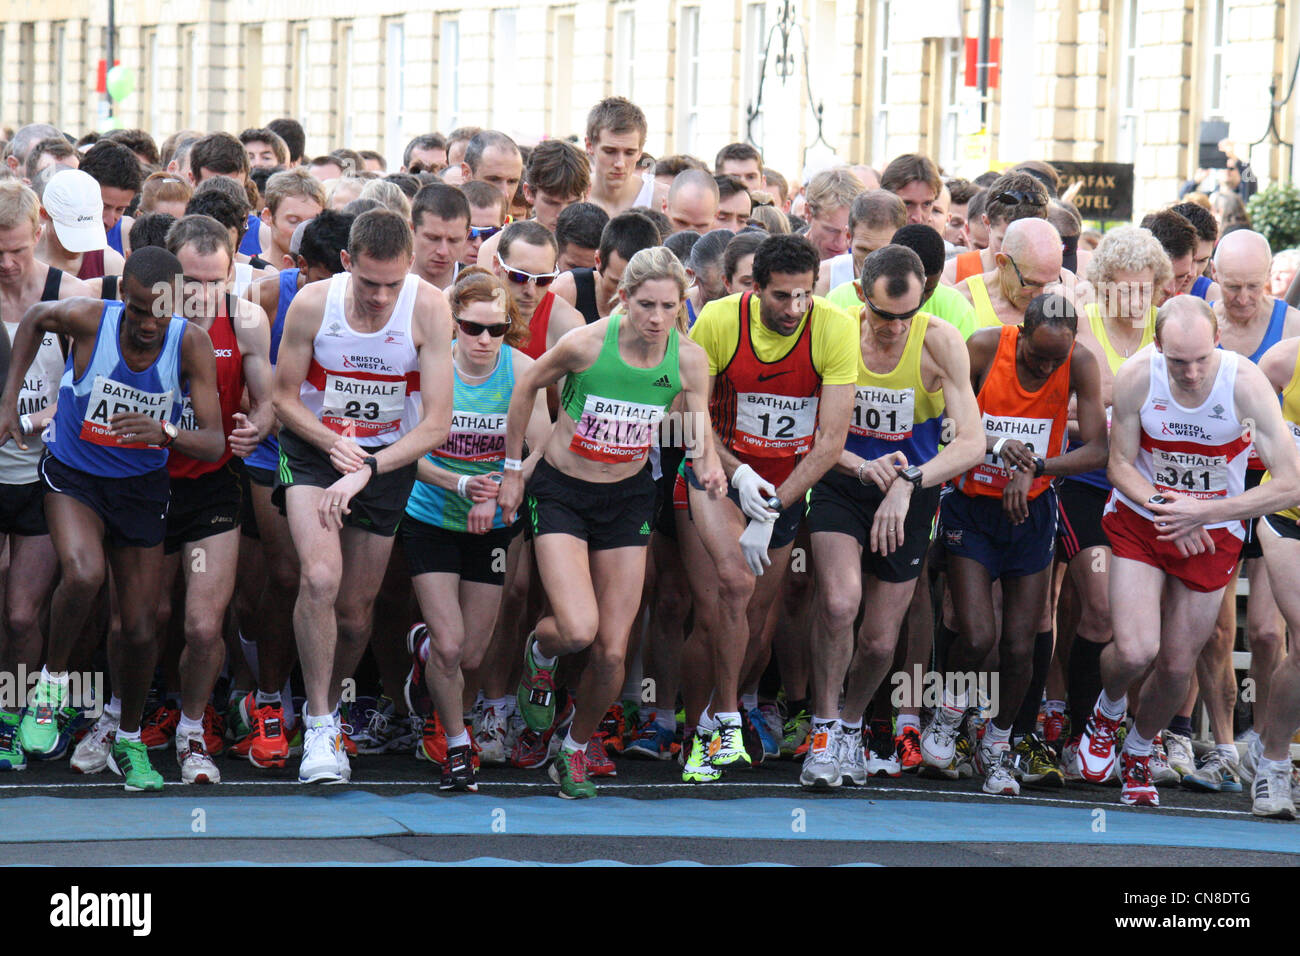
833,413
293,361
1131,384
253,333
76,318
1085,382
697,434
965,449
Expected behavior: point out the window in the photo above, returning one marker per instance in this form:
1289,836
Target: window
688,80
1217,41
505,96
1126,144
880,119
343,118
26,74
60,57
753,47
394,88
147,80
951,78
301,74
189,78
562,75
448,78
251,65
624,50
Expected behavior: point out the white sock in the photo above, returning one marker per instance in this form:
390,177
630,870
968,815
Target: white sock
1229,754
851,726
460,740
250,651
540,659
707,724
1264,765
1056,707
312,721
728,718
570,744
827,722
1136,744
113,709
189,728
263,698
749,702
129,735
995,737
497,704
1114,709
954,702
904,720
58,677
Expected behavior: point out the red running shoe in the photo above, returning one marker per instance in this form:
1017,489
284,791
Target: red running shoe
1138,790
1097,747
598,762
907,746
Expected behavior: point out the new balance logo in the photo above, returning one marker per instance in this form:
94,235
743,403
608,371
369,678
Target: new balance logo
662,382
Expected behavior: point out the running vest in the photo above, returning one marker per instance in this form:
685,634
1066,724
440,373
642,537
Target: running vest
690,314
985,316
243,277
115,237
251,244
40,388
1097,477
1291,415
584,283
892,411
841,270
365,385
475,445
616,407
537,326
1038,419
647,194
230,392
1201,287
267,453
1272,335
968,264
766,413
1194,451
92,265
79,434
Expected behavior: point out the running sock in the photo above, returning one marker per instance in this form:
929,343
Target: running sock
570,744
908,720
1229,754
1264,765
1113,709
498,704
511,704
995,736
250,651
728,718
1083,681
707,724
460,740
824,723
1027,717
113,709
263,698
58,677
851,726
1181,725
1136,744
189,728
129,735
749,702
539,658
665,719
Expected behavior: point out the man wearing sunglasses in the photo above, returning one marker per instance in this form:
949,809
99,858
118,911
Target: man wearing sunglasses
874,509
440,219
1027,262
488,210
525,261
1012,197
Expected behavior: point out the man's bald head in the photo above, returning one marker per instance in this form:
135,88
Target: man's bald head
1032,238
1188,321
692,201
866,175
1245,250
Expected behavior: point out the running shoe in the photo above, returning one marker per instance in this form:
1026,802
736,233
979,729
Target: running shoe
12,756
651,742
91,753
775,725
731,746
1178,750
491,737
821,765
771,742
73,723
1098,746
458,770
999,774
536,694
1250,757
598,762
418,700
239,710
753,743
1161,772
1271,793
1070,761
266,744
129,759
1035,763
1138,788
514,727
534,749
882,761
613,727
323,757
214,731
794,733
853,758
939,740
1056,727
384,731
569,770
196,765
907,748
1215,775
699,766
433,741
38,730
158,729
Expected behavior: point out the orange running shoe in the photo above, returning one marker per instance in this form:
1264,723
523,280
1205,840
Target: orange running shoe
908,747
159,728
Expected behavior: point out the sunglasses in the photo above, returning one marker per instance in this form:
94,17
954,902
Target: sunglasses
1023,283
892,316
1014,197
520,277
484,232
474,329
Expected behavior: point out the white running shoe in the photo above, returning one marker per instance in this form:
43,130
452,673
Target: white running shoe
196,765
883,758
1178,751
939,741
1249,759
323,758
1272,794
852,758
999,778
821,764
491,737
1161,772
91,755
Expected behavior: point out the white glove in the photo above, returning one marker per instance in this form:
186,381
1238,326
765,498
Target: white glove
754,494
753,544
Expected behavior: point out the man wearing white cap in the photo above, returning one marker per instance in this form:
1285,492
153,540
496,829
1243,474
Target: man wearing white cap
72,204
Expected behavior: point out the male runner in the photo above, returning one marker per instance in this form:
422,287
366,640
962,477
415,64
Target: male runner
71,223
829,196
594,292
692,201
118,409
118,172
1027,262
556,177
734,204
290,198
744,162
616,132
440,219
525,262
488,211
362,390
874,217
876,506
1184,417
914,178
1012,197
493,158
1207,234
427,153
577,235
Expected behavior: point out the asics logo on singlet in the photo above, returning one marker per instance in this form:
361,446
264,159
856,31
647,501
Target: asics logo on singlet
1184,430
223,353
764,378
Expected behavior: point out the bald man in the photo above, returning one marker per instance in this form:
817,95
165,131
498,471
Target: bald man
1027,264
692,201
1250,322
1183,415
869,178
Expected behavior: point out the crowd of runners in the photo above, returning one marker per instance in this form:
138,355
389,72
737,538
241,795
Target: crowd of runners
561,456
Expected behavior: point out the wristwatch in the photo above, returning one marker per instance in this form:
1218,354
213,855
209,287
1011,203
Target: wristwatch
1040,465
171,433
374,465
913,474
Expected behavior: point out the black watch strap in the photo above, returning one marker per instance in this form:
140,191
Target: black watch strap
1040,465
374,465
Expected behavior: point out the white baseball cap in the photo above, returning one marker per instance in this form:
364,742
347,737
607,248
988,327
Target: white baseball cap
73,202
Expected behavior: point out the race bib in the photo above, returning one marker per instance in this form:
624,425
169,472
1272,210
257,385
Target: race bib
1295,433
1199,476
475,437
774,426
885,413
614,431
109,398
363,408
1035,433
38,390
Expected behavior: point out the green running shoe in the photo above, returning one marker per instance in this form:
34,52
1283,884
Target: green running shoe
1036,764
39,730
130,759
796,732
11,752
536,694
569,770
699,766
731,747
